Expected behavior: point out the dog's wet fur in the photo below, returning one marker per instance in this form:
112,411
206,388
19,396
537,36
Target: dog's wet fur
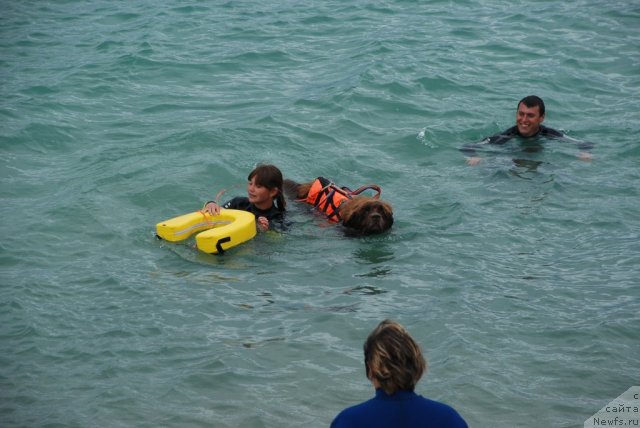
361,215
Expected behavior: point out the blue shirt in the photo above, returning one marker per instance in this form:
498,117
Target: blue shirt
399,410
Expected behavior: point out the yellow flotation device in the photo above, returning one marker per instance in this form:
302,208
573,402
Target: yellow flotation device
221,232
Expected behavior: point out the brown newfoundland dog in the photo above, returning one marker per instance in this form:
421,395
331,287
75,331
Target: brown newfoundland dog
360,215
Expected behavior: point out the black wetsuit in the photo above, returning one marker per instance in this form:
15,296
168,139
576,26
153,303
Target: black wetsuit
273,214
506,135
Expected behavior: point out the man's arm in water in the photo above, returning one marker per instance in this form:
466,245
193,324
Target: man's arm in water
469,150
473,159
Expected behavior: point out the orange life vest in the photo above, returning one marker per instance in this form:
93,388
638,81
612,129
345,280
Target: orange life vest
327,197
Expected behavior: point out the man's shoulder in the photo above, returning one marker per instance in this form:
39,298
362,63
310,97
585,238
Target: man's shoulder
356,415
503,136
550,132
443,413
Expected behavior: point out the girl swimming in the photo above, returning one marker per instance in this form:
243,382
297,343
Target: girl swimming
264,198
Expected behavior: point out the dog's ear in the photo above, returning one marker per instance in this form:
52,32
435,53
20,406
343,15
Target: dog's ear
353,214
387,209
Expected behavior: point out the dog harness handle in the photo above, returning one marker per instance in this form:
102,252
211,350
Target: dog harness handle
361,189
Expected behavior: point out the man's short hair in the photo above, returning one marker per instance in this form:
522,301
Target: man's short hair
532,101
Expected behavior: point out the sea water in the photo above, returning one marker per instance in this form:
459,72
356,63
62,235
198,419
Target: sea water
518,277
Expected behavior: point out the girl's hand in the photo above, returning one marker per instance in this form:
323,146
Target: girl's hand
263,224
211,208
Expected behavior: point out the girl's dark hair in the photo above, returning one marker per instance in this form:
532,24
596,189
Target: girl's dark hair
270,177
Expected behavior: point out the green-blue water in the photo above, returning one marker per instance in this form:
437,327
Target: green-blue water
520,282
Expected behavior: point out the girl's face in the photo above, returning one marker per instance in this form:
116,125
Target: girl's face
260,196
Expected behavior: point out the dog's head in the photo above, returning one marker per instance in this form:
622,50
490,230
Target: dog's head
364,215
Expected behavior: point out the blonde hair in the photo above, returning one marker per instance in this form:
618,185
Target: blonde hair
393,358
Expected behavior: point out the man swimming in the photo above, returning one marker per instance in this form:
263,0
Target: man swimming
529,118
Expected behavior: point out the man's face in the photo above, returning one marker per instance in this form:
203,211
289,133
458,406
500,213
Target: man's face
528,120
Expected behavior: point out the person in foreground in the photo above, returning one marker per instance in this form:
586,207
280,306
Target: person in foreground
529,117
264,198
394,365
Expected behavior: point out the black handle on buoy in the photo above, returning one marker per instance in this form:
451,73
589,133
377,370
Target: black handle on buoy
220,242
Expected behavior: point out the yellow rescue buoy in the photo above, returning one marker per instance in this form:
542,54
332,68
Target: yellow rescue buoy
221,232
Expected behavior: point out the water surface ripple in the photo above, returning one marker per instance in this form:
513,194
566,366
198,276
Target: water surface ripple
519,279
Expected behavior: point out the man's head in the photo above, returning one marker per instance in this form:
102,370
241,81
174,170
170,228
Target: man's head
530,115
393,360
